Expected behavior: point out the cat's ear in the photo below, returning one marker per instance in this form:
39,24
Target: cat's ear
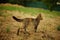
40,16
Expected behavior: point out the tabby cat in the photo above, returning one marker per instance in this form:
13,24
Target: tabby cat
26,21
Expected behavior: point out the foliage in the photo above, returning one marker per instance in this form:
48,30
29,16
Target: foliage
50,3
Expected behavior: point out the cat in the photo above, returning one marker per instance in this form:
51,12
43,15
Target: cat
26,21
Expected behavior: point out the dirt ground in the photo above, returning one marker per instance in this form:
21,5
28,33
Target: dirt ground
46,28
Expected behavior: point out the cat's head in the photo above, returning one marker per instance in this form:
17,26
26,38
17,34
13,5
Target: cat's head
40,16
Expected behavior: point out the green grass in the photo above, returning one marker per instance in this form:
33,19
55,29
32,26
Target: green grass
29,10
8,29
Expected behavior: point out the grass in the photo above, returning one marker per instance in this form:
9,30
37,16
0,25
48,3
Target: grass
58,28
8,29
1,13
29,10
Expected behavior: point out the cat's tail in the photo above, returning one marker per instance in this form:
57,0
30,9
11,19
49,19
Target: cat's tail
18,20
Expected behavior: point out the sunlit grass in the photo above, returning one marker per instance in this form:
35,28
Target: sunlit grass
29,10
